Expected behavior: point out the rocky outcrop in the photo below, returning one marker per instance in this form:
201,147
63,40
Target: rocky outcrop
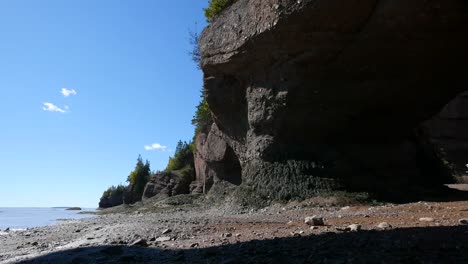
313,96
130,196
110,201
215,161
449,131
167,184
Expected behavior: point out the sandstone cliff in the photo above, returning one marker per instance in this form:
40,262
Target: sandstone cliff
317,95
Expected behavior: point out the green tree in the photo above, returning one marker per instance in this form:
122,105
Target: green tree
215,7
203,118
183,156
139,176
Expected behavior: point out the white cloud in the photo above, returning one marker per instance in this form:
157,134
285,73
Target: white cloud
156,146
67,92
53,108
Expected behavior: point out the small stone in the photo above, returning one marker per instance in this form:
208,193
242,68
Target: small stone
163,239
426,219
139,242
314,221
238,235
463,221
167,231
355,227
290,223
314,227
345,208
384,225
152,239
194,245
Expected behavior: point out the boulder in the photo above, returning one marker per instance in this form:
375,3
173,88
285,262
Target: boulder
315,96
167,184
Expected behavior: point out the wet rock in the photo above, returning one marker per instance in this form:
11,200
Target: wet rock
314,221
384,226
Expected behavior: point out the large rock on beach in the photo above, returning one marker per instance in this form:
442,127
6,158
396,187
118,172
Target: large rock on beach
315,96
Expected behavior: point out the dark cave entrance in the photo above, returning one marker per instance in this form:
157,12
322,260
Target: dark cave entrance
232,167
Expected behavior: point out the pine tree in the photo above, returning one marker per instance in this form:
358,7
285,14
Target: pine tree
139,176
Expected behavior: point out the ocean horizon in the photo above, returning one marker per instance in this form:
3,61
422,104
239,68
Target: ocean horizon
28,217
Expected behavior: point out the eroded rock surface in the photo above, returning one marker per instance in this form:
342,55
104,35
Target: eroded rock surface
319,95
167,184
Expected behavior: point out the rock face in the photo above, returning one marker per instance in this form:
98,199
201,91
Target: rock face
129,196
317,95
215,161
167,184
449,131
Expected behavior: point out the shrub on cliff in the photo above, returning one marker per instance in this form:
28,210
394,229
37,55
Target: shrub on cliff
215,7
183,157
202,119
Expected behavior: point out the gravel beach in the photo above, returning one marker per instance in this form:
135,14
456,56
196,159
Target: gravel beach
420,232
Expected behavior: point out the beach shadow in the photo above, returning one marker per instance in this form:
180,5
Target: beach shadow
406,245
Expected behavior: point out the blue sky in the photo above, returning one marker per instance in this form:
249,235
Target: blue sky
135,84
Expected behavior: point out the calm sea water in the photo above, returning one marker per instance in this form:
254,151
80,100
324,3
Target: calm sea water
17,218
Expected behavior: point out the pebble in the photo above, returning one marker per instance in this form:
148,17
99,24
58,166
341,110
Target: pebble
314,221
463,221
163,239
167,231
313,227
384,225
426,219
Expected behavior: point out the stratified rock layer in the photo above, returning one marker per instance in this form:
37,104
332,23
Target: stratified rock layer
318,95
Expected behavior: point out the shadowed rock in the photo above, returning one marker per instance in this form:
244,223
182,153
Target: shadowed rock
315,96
